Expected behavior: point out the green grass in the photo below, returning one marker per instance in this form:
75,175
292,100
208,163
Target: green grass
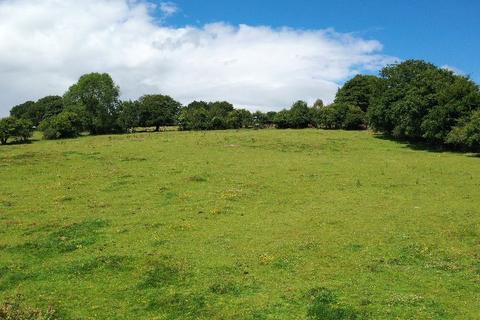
265,224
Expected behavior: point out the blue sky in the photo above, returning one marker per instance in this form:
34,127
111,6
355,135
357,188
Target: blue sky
442,32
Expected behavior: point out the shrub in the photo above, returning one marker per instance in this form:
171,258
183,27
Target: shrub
65,125
468,134
19,129
342,116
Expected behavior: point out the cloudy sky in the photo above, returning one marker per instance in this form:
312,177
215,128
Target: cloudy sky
179,49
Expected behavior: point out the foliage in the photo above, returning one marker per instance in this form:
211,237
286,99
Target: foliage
26,110
19,129
50,106
98,96
36,112
66,124
157,110
341,116
200,115
360,91
129,116
299,116
420,101
467,134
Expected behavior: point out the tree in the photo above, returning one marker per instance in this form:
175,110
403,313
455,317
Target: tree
360,91
299,115
64,125
420,101
7,129
239,118
97,95
11,127
158,110
194,116
342,116
282,119
129,116
27,110
50,106
23,129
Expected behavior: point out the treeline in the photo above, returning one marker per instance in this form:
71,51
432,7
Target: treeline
413,100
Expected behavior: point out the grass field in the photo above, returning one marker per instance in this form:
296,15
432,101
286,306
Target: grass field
265,224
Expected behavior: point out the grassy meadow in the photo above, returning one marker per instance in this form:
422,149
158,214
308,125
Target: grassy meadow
268,224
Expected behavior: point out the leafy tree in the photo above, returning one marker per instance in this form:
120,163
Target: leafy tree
194,116
360,91
282,119
420,101
158,110
23,129
355,118
12,127
66,124
97,94
299,115
466,135
262,120
36,112
129,116
7,129
50,106
342,116
240,118
27,110
219,109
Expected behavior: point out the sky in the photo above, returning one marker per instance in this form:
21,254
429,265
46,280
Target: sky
261,55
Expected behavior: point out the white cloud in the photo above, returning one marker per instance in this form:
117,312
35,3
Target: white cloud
46,45
168,8
453,69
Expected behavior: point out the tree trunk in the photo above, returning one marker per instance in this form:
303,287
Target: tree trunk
157,128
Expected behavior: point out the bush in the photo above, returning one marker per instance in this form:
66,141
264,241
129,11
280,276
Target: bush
342,116
19,129
298,117
65,125
468,134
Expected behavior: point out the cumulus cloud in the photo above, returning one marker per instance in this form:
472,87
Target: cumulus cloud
46,45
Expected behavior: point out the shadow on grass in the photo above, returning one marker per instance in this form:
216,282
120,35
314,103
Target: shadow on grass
420,145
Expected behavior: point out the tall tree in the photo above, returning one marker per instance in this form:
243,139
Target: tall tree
97,95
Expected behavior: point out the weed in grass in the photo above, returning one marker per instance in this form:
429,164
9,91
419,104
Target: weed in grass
109,264
11,276
324,306
179,305
69,238
160,275
197,178
225,287
13,310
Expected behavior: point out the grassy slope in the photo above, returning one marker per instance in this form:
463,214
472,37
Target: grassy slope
240,225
